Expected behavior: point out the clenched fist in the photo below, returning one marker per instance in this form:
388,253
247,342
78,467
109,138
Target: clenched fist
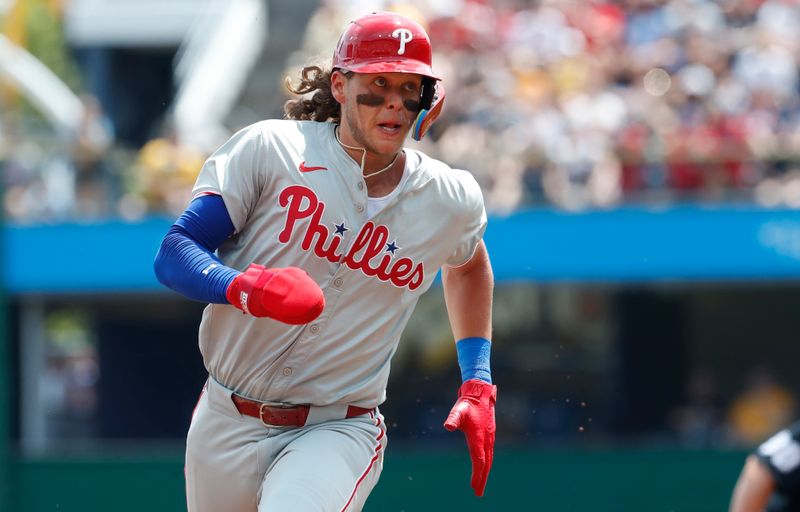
288,295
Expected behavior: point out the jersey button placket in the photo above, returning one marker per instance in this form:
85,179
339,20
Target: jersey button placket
314,329
287,372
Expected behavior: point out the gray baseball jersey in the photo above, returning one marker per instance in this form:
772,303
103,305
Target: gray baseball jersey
296,198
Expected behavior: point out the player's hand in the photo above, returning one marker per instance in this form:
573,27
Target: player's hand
473,414
288,295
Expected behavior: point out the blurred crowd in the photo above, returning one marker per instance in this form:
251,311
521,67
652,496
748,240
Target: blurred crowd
590,103
577,104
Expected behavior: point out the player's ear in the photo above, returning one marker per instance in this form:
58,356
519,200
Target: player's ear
338,81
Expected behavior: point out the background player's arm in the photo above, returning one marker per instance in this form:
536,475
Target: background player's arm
468,295
754,487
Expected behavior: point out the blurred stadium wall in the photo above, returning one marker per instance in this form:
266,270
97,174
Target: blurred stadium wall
585,422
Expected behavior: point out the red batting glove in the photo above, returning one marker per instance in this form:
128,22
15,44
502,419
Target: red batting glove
288,295
473,414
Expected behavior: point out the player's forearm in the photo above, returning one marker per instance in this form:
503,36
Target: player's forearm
468,294
753,489
185,261
184,266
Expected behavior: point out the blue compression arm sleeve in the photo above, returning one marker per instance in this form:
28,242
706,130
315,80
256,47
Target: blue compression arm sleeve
186,262
473,359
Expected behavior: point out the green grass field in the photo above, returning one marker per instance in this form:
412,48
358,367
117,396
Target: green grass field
596,480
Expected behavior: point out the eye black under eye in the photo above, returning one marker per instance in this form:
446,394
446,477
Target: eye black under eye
412,105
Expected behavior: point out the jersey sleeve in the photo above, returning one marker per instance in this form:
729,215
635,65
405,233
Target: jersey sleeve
236,172
781,454
473,218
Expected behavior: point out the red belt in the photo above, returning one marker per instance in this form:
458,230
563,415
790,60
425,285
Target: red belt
283,416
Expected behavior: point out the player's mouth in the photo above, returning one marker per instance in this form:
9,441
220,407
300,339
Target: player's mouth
390,128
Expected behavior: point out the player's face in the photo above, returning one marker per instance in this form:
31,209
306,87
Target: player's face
379,109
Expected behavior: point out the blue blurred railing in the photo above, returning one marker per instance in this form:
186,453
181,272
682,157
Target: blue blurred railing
687,243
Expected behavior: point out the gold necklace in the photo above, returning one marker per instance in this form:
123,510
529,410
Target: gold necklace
364,155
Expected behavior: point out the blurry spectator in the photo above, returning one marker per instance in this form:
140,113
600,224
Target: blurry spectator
763,407
94,187
698,422
165,172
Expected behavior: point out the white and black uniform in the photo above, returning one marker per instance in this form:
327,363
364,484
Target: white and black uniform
781,454
296,198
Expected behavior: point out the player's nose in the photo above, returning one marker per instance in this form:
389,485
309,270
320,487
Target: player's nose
394,100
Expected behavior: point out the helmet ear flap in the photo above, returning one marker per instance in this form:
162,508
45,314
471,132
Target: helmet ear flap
431,103
428,91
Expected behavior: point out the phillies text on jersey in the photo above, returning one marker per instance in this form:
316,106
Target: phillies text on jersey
302,203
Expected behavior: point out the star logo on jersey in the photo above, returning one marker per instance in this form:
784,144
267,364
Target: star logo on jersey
310,168
391,247
340,229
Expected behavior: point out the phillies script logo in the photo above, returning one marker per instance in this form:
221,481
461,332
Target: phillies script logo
371,241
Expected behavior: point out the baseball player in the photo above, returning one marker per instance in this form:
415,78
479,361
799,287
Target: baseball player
312,238
770,479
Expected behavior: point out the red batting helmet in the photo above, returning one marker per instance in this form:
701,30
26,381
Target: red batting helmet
384,42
